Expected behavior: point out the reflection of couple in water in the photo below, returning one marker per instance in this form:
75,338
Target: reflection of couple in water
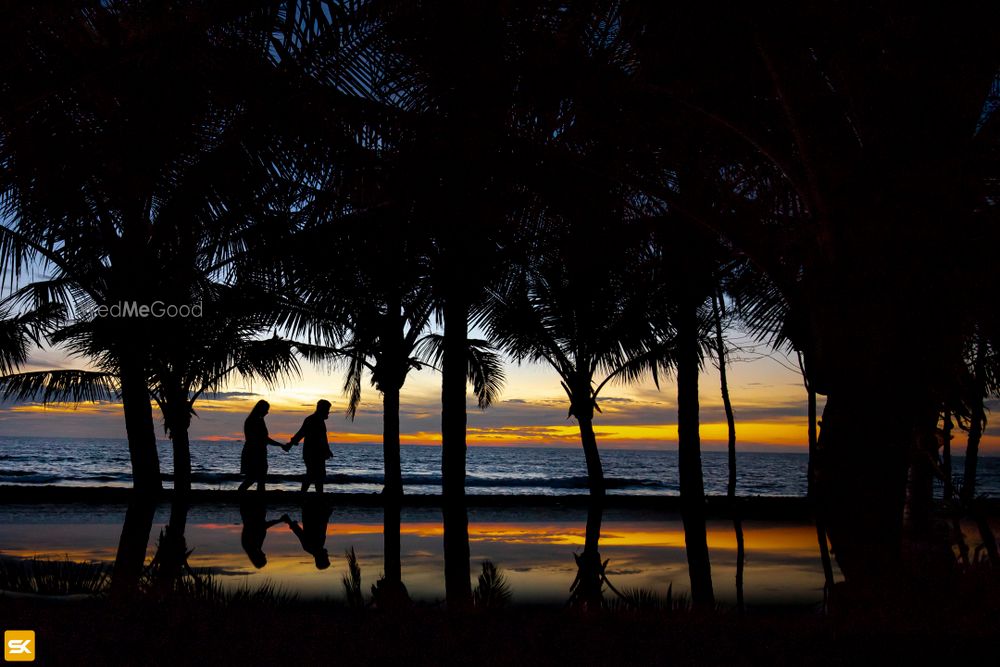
311,534
315,447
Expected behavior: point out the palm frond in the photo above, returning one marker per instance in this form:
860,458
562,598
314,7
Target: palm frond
63,386
492,590
485,372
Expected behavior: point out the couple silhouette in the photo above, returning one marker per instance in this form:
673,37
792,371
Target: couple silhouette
315,447
311,532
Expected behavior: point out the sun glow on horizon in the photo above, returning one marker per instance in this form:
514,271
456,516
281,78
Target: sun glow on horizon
769,405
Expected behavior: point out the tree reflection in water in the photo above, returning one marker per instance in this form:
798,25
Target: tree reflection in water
131,555
389,592
457,582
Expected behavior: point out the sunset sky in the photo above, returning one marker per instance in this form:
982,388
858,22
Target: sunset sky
769,400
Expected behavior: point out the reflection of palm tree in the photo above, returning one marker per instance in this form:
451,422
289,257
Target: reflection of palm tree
169,567
587,589
457,583
389,592
131,555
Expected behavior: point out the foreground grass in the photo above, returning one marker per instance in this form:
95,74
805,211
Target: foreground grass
195,621
198,632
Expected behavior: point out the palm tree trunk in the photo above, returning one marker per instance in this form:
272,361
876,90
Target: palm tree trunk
177,416
595,472
811,430
692,485
861,484
727,404
139,428
390,382
878,397
972,451
180,438
976,425
453,385
390,441
946,425
720,349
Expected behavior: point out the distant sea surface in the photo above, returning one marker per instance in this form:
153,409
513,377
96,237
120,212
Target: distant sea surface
357,468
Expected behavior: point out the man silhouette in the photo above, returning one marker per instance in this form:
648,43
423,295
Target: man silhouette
315,448
312,532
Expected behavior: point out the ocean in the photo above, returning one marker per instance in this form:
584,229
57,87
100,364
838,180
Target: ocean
357,468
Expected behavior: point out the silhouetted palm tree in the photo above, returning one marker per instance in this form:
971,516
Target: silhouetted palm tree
125,126
587,318
363,298
449,85
19,332
845,136
690,262
192,357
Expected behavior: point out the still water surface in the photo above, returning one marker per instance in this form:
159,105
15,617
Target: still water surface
534,547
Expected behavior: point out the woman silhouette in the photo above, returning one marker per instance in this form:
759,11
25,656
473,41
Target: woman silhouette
253,512
253,460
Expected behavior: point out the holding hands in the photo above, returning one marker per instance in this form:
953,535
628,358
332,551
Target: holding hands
287,446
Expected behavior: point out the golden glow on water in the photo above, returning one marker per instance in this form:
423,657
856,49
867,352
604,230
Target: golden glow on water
537,556
788,539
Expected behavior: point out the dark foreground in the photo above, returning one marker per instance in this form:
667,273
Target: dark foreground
165,616
100,633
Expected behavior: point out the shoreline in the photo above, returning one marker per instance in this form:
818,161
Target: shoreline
764,507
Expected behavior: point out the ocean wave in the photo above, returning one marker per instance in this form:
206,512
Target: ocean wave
21,477
474,481
218,478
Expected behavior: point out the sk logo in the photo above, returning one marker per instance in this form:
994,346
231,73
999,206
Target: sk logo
19,645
